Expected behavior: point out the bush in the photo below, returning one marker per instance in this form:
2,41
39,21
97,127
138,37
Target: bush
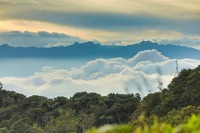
191,126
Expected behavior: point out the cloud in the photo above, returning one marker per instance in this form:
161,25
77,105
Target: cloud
37,39
112,21
89,16
192,41
174,8
147,55
102,76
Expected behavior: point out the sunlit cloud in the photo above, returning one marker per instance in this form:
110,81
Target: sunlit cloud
110,22
164,7
36,26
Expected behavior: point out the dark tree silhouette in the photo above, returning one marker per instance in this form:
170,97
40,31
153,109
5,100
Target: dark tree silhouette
1,86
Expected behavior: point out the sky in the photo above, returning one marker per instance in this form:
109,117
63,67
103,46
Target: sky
116,22
49,23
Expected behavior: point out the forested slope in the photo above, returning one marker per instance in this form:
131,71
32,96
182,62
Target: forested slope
180,99
173,105
62,114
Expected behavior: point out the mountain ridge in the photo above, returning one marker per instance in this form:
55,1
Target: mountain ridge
92,50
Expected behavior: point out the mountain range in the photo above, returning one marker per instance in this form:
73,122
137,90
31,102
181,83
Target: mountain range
92,50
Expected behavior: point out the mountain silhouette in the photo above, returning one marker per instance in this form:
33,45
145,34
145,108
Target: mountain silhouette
92,50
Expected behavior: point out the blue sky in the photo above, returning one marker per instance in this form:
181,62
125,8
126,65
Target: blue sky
118,22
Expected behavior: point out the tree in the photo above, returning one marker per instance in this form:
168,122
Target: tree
66,122
1,86
20,126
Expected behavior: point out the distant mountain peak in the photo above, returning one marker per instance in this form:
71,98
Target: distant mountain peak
84,43
76,43
147,43
89,43
4,45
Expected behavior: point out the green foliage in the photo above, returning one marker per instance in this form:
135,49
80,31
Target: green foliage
66,122
20,126
120,129
191,126
183,91
4,130
173,106
114,108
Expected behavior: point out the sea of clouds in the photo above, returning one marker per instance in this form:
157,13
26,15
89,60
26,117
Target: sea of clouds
139,74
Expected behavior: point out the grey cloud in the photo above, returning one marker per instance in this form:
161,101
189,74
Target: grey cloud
36,81
112,21
38,39
184,41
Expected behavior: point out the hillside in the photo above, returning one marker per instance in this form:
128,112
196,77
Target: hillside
172,105
180,99
92,51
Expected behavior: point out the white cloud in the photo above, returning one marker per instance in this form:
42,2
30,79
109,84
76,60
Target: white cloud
136,75
147,55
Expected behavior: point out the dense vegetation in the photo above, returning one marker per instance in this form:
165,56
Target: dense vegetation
173,105
191,126
62,114
178,101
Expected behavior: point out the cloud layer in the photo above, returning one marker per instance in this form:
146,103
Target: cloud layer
113,21
178,7
38,39
139,74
